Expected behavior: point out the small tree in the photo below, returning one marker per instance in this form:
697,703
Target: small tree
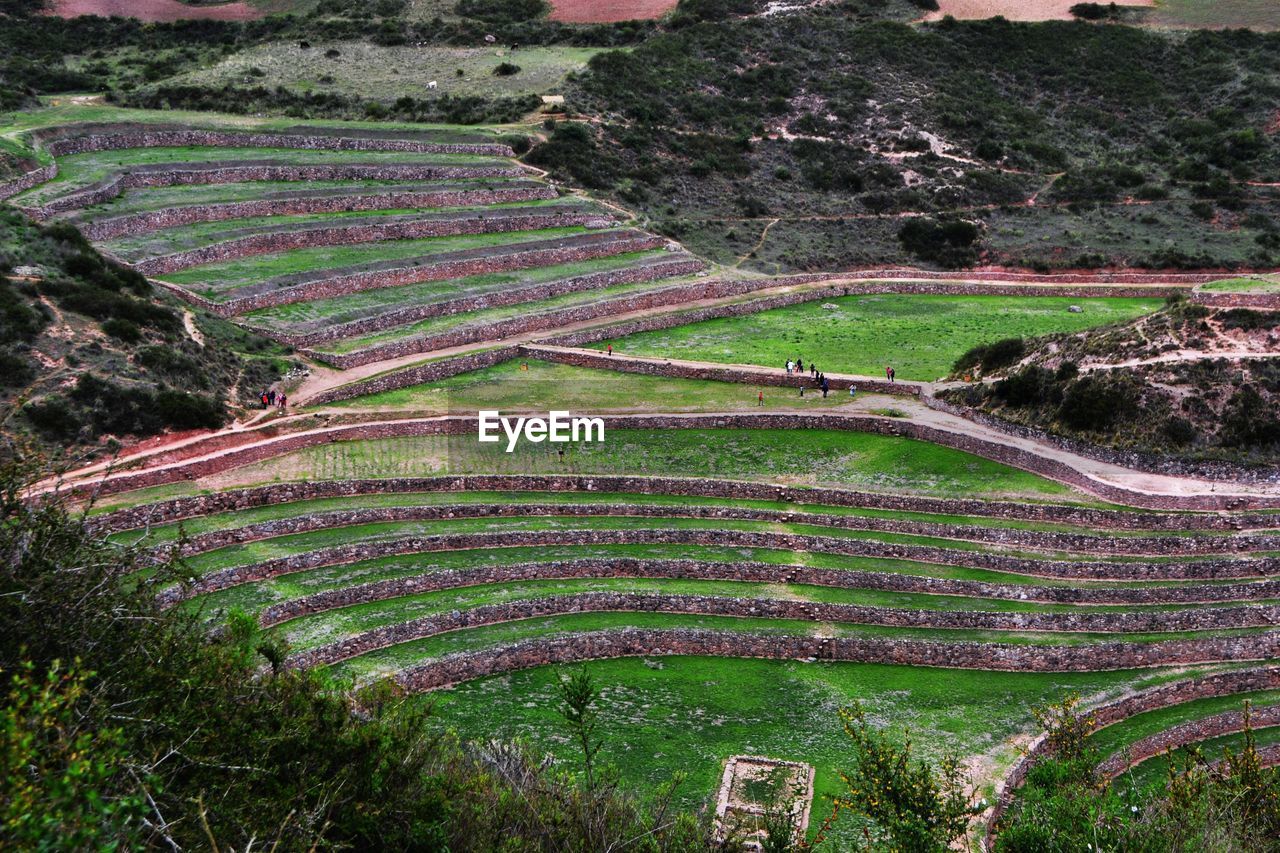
915,804
578,696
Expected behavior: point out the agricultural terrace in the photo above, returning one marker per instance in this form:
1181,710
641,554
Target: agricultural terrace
737,559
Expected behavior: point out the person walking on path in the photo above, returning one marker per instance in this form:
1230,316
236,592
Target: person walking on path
893,375
609,349
264,400
760,399
825,388
888,373
800,365
813,370
789,366
282,400
852,390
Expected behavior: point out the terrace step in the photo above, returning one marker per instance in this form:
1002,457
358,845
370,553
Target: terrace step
297,202
244,171
650,269
270,239
329,283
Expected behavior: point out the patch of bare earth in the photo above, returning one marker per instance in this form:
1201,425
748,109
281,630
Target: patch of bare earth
154,10
1013,10
607,11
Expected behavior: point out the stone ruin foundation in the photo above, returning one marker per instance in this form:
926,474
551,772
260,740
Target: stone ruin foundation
751,786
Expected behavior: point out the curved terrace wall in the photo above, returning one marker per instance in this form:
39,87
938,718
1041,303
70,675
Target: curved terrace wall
494,222
1005,454
719,373
1193,731
193,174
1258,301
748,571
1151,699
279,493
508,296
26,181
701,605
62,142
1005,537
354,552
304,203
513,258
601,645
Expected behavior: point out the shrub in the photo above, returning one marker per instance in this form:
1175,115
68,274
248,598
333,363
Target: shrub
991,357
122,330
1027,387
948,242
502,11
506,69
1094,403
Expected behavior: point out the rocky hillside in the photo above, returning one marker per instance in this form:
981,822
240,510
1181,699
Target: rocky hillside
1189,381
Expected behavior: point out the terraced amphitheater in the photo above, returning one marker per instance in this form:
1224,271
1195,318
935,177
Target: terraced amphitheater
746,550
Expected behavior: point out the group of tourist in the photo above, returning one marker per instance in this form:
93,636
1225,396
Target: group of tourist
796,368
271,397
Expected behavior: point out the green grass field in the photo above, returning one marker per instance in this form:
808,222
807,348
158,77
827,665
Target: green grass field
920,336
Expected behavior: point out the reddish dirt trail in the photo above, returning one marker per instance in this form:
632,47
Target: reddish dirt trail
154,10
607,11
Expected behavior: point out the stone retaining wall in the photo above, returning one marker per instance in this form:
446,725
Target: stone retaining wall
26,181
510,296
234,500
1005,537
344,234
1194,731
1220,471
393,199
431,372
1152,699
748,571
765,608
659,298
601,645
360,551
227,173
1258,301
142,137
725,373
509,258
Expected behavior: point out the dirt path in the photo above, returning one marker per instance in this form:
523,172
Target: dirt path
1180,356
189,323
